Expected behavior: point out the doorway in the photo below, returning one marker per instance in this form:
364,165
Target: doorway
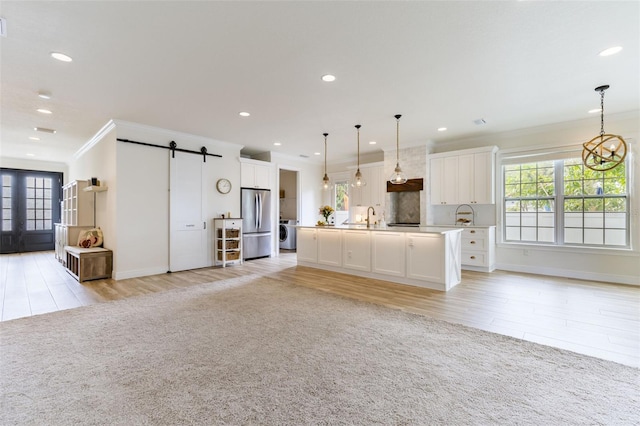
288,209
30,207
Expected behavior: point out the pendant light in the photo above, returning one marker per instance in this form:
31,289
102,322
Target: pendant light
326,182
605,151
398,178
359,182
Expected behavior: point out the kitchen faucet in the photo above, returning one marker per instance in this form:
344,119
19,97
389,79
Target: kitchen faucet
374,213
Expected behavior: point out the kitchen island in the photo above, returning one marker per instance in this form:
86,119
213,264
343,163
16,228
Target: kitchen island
421,256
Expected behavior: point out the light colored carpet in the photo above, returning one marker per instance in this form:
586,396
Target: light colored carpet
261,351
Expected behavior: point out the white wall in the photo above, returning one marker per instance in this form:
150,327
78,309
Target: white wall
309,185
136,208
26,164
100,161
619,266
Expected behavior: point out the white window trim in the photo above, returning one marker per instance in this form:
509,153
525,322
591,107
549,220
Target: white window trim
541,152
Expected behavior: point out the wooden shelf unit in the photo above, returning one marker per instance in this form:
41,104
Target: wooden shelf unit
227,244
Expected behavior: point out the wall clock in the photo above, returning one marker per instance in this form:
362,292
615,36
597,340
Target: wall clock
223,186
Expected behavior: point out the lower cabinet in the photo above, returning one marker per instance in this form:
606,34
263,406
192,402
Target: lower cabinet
329,247
478,249
306,246
66,235
387,253
356,250
425,257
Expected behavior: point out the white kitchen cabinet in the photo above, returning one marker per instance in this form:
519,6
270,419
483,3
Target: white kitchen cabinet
388,253
428,258
329,247
444,180
255,176
378,187
374,192
463,177
356,250
306,245
478,248
475,178
425,257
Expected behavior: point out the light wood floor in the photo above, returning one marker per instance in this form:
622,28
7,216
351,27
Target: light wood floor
597,319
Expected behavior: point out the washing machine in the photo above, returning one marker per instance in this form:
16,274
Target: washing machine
288,234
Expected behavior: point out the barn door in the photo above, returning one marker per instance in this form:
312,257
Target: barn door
188,233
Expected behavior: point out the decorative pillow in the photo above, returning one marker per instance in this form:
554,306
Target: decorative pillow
90,238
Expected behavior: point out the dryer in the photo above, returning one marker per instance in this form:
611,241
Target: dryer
288,234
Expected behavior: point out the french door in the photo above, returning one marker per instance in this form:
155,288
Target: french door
30,207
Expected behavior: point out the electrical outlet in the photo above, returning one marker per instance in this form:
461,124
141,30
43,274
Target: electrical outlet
525,252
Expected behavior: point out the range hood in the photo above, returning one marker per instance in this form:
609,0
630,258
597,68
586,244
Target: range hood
410,185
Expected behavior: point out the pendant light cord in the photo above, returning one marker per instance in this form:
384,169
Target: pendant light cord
397,140
325,152
601,113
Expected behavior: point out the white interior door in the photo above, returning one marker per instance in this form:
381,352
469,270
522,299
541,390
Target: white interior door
188,234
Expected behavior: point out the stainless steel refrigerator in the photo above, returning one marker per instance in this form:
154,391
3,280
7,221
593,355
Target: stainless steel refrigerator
256,222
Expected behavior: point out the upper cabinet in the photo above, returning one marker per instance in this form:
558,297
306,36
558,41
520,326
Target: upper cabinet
254,175
373,193
463,177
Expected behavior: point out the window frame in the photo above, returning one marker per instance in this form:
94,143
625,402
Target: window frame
555,153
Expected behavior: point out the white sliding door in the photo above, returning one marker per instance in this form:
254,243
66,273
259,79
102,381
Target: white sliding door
188,234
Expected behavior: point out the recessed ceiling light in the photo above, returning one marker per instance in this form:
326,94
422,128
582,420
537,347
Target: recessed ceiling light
244,114
33,138
328,77
611,51
372,142
316,153
61,57
442,129
30,155
44,95
593,111
277,143
44,111
43,129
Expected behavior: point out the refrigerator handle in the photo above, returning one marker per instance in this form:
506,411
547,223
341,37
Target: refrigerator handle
260,215
256,217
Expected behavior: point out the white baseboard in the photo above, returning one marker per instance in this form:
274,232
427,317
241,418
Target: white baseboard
568,273
123,275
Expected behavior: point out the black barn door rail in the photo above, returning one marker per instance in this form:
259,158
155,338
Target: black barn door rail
173,147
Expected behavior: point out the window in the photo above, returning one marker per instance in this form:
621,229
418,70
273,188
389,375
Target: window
341,201
561,202
7,203
38,203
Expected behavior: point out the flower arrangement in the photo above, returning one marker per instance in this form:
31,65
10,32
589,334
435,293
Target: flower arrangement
326,211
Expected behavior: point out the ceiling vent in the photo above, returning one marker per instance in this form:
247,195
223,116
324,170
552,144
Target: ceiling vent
480,122
3,27
43,129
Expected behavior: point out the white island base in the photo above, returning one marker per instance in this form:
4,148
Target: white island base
423,257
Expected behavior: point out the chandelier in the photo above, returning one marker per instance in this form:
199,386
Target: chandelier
605,151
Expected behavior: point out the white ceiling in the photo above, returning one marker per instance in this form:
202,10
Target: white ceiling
192,66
